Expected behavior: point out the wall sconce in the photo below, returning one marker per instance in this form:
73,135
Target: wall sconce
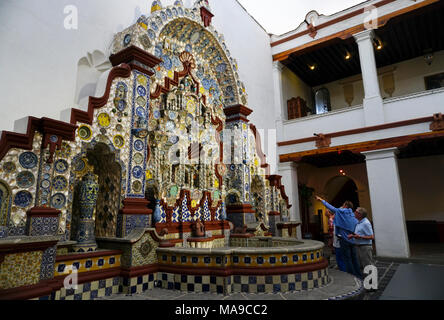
428,58
312,67
348,55
378,43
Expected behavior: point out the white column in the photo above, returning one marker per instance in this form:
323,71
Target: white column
278,99
373,103
387,204
289,173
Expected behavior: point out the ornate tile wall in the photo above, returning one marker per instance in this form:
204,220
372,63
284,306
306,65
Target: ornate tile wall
20,269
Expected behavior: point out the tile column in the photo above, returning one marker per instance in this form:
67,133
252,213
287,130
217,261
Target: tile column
373,103
289,173
387,204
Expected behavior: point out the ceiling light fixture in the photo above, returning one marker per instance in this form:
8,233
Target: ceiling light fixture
378,43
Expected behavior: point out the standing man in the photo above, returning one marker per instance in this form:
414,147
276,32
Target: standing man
345,223
363,236
335,241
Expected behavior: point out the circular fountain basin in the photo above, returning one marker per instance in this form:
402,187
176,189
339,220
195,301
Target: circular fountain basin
250,265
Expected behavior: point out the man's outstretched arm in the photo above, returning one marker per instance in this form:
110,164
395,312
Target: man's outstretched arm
327,205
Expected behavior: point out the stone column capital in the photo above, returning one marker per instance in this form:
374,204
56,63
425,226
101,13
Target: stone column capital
381,154
286,166
278,66
364,35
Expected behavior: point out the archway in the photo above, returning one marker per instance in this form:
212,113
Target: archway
100,159
340,189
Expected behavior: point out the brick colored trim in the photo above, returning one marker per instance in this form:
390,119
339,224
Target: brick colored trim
12,248
360,130
329,23
45,212
382,21
363,146
135,206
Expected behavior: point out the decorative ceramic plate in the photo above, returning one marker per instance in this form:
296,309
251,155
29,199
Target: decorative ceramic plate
25,179
118,140
190,119
139,145
137,172
119,127
141,91
138,158
23,199
169,13
151,34
79,165
137,186
156,114
174,12
189,48
85,133
153,124
195,37
167,63
221,67
60,183
172,115
120,104
191,105
61,166
104,120
58,201
127,40
45,184
142,80
141,112
9,167
141,101
170,126
28,160
173,139
65,152
163,16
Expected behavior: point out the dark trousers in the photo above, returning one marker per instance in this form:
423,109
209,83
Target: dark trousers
339,260
350,258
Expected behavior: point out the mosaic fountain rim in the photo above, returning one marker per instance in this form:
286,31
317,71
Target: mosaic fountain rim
300,246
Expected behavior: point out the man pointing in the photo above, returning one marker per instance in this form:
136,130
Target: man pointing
345,223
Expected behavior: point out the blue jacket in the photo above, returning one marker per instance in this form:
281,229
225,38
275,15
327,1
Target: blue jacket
345,221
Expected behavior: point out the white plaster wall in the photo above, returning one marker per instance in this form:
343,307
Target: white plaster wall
293,87
409,78
340,120
39,58
337,98
422,181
